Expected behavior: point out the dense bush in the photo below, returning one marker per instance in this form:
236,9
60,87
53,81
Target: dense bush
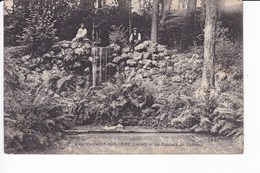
118,35
14,23
228,53
39,33
33,119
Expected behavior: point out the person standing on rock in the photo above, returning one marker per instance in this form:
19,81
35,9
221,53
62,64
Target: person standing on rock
135,39
82,33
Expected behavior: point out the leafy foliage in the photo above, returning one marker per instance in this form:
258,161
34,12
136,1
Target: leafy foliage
118,35
14,23
39,34
33,119
228,52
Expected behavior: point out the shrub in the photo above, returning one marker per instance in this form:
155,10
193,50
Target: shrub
228,53
118,35
39,33
33,119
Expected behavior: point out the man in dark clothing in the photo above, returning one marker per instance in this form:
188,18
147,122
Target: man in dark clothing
135,39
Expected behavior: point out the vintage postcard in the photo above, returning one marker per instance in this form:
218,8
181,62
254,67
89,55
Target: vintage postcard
123,77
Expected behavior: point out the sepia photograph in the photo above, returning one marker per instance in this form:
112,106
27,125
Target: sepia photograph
123,77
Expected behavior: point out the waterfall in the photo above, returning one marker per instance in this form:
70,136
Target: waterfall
100,72
106,66
100,65
94,67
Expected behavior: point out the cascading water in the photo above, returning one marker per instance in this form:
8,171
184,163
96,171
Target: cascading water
100,59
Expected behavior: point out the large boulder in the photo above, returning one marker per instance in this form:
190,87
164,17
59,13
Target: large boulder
80,51
115,47
69,51
68,58
162,64
140,62
161,48
221,75
137,56
131,62
125,55
126,50
177,67
26,58
146,75
161,55
147,43
130,55
147,55
167,58
127,68
56,49
166,52
140,47
147,61
169,69
118,59
86,46
153,48
59,56
140,71
74,45
65,44
176,79
155,57
154,63
47,55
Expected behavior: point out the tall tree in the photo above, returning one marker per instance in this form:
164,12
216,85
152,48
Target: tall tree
167,8
179,5
208,81
144,4
130,17
155,17
161,7
124,11
188,29
222,4
140,4
99,3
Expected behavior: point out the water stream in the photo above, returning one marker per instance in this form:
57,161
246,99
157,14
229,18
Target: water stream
101,57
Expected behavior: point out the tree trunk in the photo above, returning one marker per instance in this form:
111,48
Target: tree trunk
14,6
99,3
222,5
130,18
124,11
167,8
187,34
179,5
155,16
191,6
144,3
140,4
208,81
161,7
